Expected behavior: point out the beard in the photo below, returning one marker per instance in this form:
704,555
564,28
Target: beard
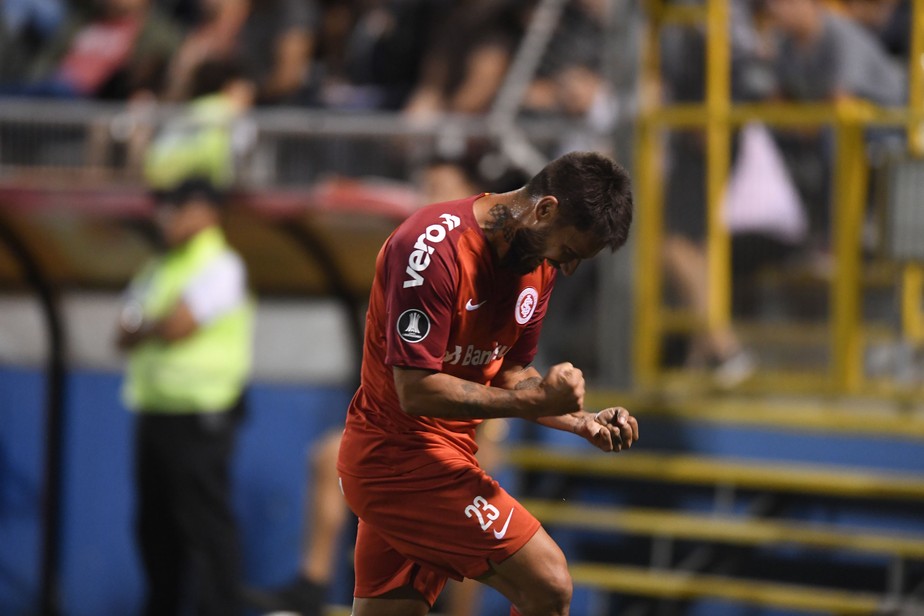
525,252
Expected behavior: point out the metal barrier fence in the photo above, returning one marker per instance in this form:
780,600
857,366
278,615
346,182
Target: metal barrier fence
96,142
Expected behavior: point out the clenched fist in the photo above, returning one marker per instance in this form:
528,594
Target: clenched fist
564,389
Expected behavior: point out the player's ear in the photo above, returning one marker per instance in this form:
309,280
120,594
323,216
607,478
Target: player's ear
546,209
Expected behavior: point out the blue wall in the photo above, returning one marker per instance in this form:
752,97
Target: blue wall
100,570
20,469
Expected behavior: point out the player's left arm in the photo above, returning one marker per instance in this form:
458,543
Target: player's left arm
612,429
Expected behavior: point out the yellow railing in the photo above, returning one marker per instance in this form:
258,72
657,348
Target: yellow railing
913,274
716,116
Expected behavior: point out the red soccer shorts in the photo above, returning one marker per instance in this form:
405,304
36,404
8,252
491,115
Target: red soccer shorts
444,520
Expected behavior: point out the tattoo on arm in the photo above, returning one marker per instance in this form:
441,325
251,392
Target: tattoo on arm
473,400
530,383
435,394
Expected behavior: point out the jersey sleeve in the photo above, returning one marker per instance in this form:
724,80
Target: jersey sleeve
524,351
420,293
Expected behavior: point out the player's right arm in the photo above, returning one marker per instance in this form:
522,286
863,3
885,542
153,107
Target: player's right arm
429,393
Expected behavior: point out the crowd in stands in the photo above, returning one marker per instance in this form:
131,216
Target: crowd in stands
427,57
418,55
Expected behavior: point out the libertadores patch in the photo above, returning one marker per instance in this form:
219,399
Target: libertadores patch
413,325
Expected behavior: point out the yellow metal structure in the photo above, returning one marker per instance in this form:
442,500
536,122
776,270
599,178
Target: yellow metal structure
717,116
718,136
913,274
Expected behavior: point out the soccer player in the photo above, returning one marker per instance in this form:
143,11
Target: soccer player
460,292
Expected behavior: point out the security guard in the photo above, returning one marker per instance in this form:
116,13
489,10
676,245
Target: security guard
187,325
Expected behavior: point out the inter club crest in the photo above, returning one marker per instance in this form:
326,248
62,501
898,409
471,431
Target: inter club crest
526,305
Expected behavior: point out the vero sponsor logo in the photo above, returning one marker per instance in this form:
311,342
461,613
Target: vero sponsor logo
419,259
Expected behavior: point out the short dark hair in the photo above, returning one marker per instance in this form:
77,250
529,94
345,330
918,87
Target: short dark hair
188,189
594,193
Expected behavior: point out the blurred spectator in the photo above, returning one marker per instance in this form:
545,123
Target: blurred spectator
446,179
210,136
187,327
683,253
213,37
579,37
276,44
887,20
25,26
371,51
273,38
185,12
825,56
569,81
118,48
572,61
467,58
583,94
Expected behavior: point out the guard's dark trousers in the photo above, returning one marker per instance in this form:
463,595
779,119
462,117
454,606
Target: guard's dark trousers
186,529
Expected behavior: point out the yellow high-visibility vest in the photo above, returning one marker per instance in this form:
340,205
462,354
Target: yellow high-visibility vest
205,372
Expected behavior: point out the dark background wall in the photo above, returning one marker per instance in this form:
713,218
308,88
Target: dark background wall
100,570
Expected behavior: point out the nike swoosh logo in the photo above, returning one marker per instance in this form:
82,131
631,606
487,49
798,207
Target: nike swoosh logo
470,306
500,534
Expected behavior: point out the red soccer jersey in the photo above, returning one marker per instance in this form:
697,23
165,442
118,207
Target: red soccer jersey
441,302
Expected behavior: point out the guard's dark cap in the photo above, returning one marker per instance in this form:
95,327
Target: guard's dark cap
188,189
